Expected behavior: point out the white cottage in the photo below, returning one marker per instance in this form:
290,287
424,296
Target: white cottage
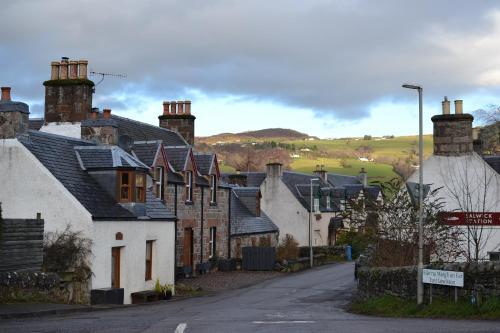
469,186
99,190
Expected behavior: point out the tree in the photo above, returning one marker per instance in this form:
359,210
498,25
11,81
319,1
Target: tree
490,132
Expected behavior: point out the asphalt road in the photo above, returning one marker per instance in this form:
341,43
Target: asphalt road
310,301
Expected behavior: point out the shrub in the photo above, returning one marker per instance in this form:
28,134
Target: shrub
288,248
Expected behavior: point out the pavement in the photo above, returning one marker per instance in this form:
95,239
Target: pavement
309,301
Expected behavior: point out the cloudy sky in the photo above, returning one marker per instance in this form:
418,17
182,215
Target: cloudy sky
327,68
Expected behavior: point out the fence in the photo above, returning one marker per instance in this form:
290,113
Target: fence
258,258
21,245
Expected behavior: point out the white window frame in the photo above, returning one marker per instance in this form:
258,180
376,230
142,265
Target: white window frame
159,183
316,205
213,189
213,242
189,186
328,202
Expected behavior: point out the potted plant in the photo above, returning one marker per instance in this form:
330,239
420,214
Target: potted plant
164,291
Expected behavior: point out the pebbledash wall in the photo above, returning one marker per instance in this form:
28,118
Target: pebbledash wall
46,195
189,216
482,277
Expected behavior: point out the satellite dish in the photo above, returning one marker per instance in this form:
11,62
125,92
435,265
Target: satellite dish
125,142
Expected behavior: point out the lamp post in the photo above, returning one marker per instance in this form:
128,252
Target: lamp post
310,224
420,285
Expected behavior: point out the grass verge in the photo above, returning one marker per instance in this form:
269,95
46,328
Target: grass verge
391,306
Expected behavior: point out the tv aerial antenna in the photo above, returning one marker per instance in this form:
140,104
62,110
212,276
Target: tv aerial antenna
104,75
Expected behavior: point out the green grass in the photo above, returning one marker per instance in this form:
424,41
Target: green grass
376,171
391,306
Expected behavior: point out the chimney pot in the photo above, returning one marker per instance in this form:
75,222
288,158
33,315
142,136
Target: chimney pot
446,105
459,106
6,94
173,107
63,69
73,69
166,108
54,73
187,107
106,113
82,69
180,107
93,115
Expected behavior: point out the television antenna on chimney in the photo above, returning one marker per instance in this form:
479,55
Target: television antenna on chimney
104,75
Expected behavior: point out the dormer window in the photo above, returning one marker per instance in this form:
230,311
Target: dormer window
131,186
213,189
140,187
125,186
316,205
189,186
328,202
159,182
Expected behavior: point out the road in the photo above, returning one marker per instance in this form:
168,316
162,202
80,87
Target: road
310,301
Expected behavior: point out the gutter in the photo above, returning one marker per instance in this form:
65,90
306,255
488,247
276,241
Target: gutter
201,230
229,225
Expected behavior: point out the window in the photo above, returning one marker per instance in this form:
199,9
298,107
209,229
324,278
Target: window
328,202
213,243
149,260
316,205
125,186
189,186
140,187
159,182
213,188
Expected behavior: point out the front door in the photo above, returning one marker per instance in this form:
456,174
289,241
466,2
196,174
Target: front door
187,256
115,267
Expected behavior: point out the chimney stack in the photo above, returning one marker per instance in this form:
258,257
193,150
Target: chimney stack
321,173
179,119
106,113
274,170
102,131
237,179
446,105
13,116
453,132
6,94
363,177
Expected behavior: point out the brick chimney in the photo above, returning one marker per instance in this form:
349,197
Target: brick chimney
178,118
68,93
321,173
274,170
13,116
452,132
363,177
102,130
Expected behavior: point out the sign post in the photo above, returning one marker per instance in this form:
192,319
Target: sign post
444,278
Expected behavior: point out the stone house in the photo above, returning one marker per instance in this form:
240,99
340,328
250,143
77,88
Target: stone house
100,191
468,185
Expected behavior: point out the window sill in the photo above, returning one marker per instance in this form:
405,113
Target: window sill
189,203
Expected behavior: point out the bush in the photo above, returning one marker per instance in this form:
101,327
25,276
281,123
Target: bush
288,249
358,240
67,251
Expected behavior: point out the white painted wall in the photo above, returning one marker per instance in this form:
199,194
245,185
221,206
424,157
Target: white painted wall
133,254
28,188
465,176
72,130
290,216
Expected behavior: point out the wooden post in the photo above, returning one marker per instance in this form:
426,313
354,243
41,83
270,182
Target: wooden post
456,294
430,293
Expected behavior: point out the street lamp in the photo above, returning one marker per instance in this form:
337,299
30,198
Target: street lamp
310,223
420,285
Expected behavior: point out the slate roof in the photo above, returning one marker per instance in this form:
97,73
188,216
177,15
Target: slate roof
341,180
493,161
57,154
106,157
243,213
139,131
254,179
35,123
155,208
204,162
146,151
177,157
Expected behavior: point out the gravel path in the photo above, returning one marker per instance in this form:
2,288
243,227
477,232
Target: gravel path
228,280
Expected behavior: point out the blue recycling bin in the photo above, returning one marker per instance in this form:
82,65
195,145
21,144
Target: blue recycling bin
348,252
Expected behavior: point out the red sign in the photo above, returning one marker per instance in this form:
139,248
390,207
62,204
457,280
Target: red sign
471,218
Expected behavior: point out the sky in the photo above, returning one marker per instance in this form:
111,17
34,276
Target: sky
326,68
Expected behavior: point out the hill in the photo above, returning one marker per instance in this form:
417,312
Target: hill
268,133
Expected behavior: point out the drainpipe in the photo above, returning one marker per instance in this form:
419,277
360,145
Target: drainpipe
229,226
201,230
175,239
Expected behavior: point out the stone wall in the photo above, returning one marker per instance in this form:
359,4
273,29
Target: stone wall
12,124
402,281
452,134
21,244
239,242
68,100
180,123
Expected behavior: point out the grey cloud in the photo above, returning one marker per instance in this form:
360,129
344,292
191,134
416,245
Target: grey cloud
332,56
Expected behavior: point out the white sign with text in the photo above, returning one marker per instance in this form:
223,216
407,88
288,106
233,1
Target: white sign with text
445,278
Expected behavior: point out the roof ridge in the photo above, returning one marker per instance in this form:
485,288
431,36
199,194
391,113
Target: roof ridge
68,138
147,124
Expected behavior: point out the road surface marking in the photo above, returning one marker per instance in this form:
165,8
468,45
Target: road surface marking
180,328
285,322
